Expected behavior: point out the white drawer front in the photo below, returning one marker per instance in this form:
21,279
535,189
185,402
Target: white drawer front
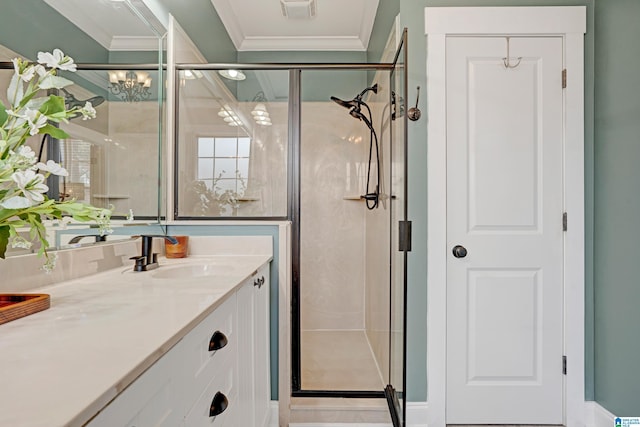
198,365
224,382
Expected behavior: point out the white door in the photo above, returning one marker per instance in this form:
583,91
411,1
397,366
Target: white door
504,206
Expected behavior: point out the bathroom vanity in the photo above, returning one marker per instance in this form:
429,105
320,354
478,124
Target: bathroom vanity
176,346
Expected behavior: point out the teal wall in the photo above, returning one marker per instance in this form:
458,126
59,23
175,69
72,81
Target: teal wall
212,38
412,17
30,26
617,207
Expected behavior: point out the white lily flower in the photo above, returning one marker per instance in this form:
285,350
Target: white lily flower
53,168
20,242
16,202
26,152
57,59
27,74
15,91
88,112
36,120
32,185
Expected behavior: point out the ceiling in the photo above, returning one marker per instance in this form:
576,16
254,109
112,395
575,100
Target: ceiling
109,22
252,25
261,25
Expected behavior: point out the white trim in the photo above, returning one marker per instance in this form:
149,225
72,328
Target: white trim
284,324
597,416
569,22
506,20
295,43
137,43
273,414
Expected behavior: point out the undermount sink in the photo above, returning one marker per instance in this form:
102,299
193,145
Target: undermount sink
190,271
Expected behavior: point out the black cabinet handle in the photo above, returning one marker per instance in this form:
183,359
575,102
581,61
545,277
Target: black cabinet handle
217,341
218,404
259,282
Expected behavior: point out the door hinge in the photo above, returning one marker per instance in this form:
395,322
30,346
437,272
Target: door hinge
564,365
564,221
404,236
564,78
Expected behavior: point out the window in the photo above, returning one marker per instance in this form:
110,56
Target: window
223,164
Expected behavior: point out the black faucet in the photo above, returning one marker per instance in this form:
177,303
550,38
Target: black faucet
98,238
148,260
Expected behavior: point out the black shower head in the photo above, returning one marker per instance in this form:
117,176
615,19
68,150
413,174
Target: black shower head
345,104
357,101
71,101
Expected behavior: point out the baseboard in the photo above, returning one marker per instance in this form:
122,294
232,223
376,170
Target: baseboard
273,410
597,416
417,413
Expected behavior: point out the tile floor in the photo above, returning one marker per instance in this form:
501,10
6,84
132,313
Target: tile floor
338,360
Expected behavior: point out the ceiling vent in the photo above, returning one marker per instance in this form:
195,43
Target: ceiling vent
298,9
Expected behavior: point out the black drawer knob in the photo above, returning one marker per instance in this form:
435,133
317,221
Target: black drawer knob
218,340
218,404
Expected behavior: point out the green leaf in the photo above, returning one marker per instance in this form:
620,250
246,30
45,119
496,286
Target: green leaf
4,239
53,105
55,132
3,114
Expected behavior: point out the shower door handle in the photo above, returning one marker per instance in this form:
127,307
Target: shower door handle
459,251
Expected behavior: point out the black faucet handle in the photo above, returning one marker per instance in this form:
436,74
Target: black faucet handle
140,262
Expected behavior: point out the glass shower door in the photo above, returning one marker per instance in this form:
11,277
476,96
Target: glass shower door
400,239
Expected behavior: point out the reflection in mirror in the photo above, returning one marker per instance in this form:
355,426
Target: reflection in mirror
232,144
113,160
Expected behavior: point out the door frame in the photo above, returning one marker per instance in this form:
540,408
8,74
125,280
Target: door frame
568,22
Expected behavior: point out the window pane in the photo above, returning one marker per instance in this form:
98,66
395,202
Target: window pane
225,184
226,168
205,168
225,157
243,168
243,147
205,147
226,147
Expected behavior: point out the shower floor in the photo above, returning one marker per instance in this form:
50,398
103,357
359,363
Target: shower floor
338,360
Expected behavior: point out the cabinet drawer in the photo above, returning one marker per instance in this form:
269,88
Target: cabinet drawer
148,401
199,361
225,382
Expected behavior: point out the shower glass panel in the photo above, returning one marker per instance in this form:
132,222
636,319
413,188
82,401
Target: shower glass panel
400,239
231,144
345,208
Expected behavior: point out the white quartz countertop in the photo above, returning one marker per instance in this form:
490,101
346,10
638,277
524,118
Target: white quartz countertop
59,367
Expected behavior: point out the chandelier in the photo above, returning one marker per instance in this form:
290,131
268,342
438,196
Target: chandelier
130,86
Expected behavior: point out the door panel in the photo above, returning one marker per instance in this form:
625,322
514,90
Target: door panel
504,205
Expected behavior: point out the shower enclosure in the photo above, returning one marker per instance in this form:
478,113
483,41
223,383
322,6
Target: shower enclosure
323,146
349,268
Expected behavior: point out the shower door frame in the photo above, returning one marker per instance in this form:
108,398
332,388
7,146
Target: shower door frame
295,107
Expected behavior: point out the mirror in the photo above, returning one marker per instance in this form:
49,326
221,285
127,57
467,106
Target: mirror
113,160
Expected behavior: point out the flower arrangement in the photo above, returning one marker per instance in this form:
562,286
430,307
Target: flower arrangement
23,199
215,201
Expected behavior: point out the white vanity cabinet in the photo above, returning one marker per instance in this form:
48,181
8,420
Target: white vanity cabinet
220,367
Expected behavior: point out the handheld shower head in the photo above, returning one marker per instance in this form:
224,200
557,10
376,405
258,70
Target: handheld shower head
72,102
345,104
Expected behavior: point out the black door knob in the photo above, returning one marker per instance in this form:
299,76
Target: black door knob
459,251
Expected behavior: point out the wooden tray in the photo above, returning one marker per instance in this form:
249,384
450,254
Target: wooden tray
15,306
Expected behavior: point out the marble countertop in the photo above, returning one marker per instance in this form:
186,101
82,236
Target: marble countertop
59,367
